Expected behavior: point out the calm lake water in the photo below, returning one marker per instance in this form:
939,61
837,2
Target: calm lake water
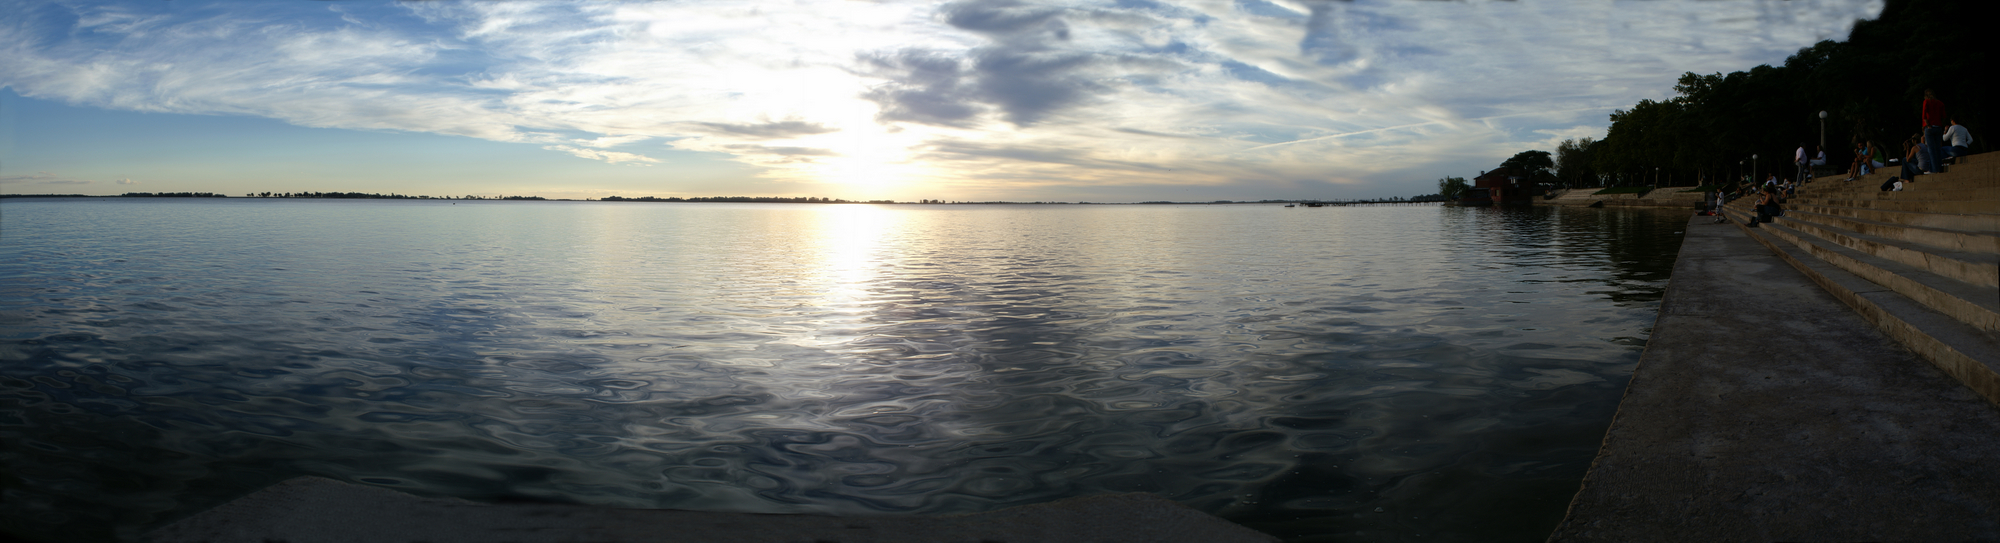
1378,373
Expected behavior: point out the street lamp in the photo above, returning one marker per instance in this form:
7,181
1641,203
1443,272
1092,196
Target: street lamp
1822,131
1753,167
1656,177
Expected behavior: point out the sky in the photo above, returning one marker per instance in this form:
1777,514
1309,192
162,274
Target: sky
975,100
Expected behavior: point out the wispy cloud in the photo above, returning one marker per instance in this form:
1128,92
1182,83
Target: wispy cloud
980,96
614,157
42,178
766,130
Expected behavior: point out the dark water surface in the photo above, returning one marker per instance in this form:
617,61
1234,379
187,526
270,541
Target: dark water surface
1385,373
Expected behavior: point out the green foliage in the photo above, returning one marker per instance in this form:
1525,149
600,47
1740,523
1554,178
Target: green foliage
1535,167
1573,163
1451,187
1870,86
1530,163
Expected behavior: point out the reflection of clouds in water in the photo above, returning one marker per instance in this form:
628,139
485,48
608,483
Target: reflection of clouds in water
869,359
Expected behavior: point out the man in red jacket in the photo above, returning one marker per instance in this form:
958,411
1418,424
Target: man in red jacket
1933,133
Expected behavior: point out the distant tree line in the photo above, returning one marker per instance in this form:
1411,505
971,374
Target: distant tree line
1870,86
173,195
746,199
391,196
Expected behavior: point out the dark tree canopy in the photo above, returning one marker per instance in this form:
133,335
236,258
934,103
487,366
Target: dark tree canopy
1573,163
1530,163
1870,87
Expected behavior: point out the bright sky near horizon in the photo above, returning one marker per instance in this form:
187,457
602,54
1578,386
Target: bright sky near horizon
1061,100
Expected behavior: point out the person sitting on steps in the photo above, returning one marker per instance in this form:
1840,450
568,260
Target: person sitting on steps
1767,206
1956,140
1819,159
1866,159
1911,149
1877,156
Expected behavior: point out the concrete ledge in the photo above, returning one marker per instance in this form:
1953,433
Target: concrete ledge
1928,218
1660,197
317,510
1955,347
1966,302
1765,410
1941,237
1972,267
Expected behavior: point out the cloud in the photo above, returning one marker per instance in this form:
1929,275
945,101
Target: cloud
127,181
1149,133
612,141
1027,70
1004,17
924,87
42,178
613,157
767,130
781,151
978,95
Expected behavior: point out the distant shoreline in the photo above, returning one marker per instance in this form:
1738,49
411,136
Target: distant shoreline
706,199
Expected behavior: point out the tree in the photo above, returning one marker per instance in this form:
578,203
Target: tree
1451,187
1529,163
1573,162
1534,166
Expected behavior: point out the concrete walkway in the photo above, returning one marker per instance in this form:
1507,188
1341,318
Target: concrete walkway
1765,410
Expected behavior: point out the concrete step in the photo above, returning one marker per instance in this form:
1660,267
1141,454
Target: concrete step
1872,184
1963,222
1967,352
1916,192
1972,304
1969,169
1976,266
1952,207
1938,239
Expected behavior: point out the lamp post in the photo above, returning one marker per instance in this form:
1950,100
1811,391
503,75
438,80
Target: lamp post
1656,177
1753,167
1822,131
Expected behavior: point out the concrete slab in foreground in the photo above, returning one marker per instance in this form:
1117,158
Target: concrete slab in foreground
315,510
1765,410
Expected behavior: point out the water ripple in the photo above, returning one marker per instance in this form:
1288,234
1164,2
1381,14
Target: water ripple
1294,371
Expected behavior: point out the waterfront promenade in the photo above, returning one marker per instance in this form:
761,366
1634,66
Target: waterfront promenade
1764,409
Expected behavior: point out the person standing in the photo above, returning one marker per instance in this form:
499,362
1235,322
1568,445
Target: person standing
1958,139
1933,112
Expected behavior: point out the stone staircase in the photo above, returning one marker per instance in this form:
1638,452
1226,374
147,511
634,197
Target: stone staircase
1923,264
1660,197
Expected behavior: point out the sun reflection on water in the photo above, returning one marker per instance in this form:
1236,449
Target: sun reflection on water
1289,369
